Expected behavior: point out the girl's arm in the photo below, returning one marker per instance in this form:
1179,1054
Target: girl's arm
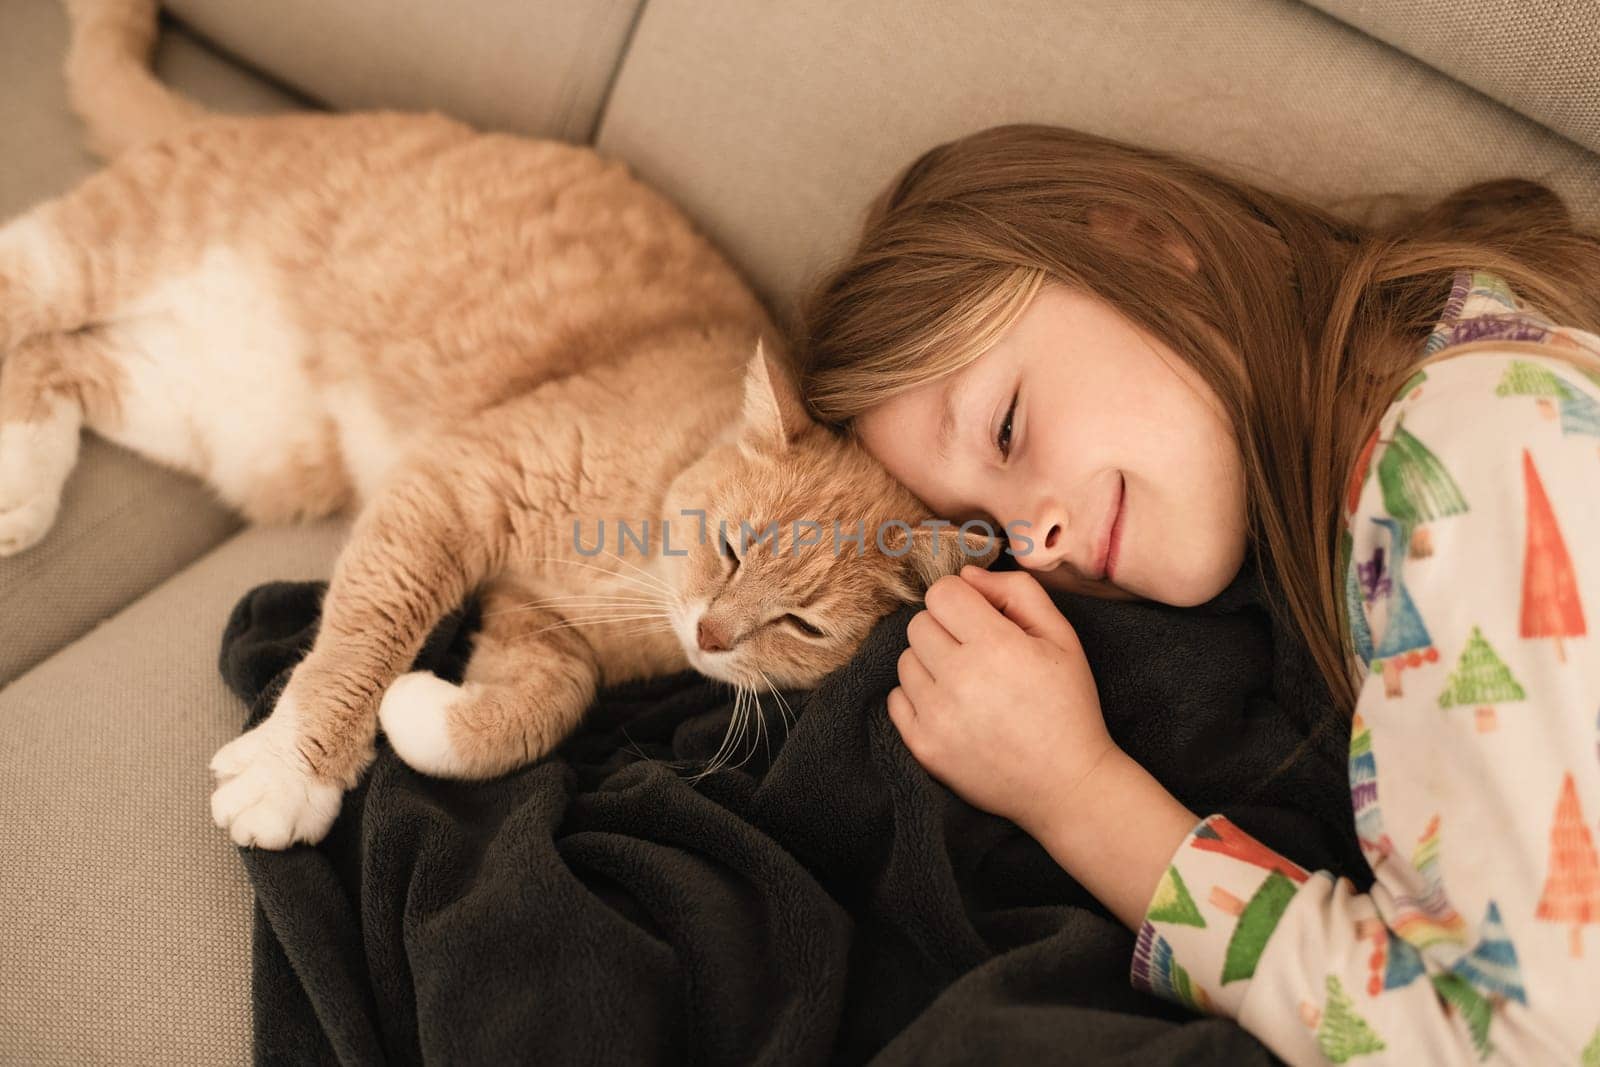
1475,779
1474,763
1117,837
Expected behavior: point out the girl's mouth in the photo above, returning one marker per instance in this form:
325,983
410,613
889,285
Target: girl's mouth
1114,540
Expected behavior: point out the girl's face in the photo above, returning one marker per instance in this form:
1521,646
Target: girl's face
1078,433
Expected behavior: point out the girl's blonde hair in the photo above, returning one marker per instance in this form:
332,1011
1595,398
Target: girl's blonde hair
1303,322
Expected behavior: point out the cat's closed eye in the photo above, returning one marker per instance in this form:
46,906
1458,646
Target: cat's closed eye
730,558
803,625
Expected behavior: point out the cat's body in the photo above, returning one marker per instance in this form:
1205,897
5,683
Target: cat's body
288,345
484,346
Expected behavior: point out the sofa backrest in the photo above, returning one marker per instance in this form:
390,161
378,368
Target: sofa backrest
773,124
539,67
1535,56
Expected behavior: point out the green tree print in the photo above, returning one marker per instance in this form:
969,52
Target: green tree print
1472,1005
1172,902
1343,1035
1416,486
1257,921
1528,379
1481,678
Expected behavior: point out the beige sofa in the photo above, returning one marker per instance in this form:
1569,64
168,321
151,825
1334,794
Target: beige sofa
124,914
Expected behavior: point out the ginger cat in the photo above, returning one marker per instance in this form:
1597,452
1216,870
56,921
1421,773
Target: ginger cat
483,347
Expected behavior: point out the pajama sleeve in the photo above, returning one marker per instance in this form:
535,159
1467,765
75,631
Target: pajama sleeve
1473,586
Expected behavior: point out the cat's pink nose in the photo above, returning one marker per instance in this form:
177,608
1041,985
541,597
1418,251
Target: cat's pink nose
711,637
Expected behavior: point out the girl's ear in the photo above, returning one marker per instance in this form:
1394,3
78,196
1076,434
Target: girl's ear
774,414
1118,221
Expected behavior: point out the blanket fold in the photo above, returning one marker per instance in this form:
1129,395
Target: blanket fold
824,902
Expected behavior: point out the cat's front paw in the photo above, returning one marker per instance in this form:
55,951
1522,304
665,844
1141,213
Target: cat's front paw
267,796
415,715
25,518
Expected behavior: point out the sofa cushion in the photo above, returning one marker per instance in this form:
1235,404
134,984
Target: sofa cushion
774,124
125,524
41,141
126,932
1535,56
538,68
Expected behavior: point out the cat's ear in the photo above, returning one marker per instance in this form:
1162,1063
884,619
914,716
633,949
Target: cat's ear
774,414
938,551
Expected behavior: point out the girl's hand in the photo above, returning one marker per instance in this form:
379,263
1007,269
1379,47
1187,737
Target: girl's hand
996,699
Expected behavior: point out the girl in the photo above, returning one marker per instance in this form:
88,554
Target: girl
1146,367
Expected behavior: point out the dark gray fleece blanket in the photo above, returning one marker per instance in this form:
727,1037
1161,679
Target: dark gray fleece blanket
824,903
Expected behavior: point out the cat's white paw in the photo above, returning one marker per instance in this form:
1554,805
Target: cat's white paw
415,714
24,520
266,794
35,459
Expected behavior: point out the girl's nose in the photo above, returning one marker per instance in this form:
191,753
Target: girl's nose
1045,534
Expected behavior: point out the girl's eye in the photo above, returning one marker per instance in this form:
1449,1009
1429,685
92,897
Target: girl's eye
806,627
1003,438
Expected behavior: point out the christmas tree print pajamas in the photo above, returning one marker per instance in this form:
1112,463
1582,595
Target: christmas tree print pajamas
1471,553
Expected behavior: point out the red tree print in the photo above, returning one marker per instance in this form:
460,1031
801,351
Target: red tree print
1221,835
1358,476
1572,888
1550,606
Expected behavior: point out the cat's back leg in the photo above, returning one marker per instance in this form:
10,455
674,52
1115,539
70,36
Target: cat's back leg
49,384
58,367
194,340
78,259
42,283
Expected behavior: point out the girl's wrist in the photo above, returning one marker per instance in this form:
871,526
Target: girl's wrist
1116,832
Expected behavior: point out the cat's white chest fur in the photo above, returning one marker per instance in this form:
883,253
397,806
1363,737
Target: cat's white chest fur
213,375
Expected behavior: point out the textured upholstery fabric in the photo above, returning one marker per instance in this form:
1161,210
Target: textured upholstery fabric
775,123
40,139
126,929
125,524
1541,57
124,914
538,68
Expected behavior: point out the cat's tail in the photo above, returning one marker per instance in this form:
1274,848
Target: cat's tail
109,80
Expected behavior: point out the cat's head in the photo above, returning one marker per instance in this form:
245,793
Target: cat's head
807,543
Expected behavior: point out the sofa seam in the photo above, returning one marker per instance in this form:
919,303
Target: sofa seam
61,550
623,53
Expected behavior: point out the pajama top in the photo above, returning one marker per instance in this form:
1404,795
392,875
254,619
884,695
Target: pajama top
1470,546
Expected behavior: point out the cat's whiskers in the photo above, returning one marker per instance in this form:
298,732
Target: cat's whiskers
598,596
741,724
567,624
783,705
633,746
755,723
643,586
598,600
715,762
595,601
649,628
761,727
650,577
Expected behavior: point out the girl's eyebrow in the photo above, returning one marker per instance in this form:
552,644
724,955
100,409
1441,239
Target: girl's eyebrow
953,394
